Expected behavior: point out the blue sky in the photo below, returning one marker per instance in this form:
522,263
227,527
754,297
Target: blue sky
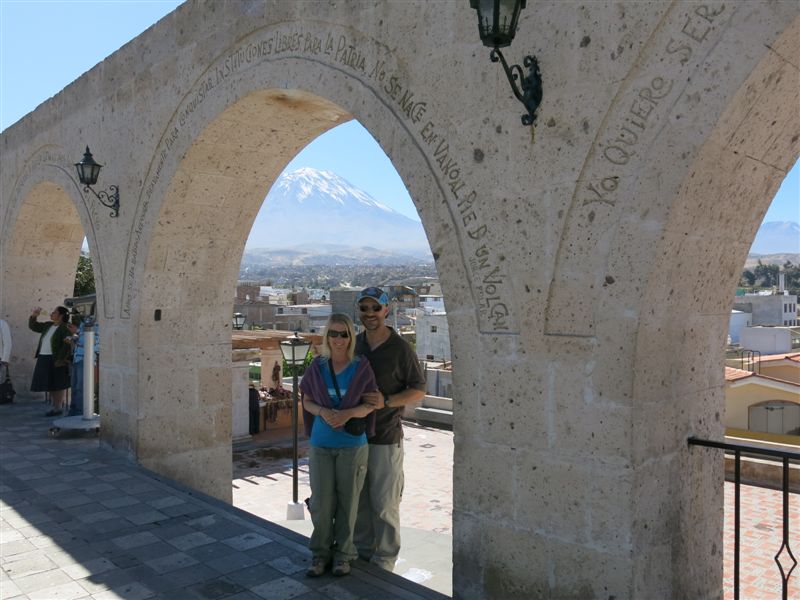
46,44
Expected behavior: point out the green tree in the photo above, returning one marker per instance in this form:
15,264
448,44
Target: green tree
84,277
288,370
748,278
792,277
766,275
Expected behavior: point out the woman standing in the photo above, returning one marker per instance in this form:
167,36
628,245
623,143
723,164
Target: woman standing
51,373
332,388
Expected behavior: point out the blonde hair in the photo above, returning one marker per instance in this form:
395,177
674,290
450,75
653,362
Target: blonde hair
340,319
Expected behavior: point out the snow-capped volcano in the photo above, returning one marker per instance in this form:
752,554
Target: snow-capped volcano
323,186
308,206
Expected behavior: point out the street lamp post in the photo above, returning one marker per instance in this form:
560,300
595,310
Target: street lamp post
294,350
238,320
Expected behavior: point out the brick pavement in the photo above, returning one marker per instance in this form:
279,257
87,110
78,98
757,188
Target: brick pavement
761,538
78,522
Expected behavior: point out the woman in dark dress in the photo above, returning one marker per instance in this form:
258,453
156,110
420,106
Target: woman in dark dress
51,373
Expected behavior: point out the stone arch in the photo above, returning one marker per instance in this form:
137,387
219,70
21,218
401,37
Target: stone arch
588,402
685,308
311,60
218,159
42,243
633,336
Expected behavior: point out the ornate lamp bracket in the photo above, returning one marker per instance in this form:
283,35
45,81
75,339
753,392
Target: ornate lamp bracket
529,90
109,199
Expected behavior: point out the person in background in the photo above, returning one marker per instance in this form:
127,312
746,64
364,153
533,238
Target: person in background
332,388
51,373
77,341
5,343
400,382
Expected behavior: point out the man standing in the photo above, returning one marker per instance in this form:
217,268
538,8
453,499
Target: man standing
400,382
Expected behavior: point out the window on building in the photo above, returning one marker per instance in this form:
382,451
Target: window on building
280,310
433,328
429,357
304,311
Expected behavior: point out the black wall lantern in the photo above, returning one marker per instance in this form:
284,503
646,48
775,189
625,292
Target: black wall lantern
497,24
88,172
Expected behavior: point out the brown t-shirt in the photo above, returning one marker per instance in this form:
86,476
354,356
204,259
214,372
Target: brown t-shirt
396,369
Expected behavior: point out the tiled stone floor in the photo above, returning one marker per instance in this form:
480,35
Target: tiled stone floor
264,485
78,522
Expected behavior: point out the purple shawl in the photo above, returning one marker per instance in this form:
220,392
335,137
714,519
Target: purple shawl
314,385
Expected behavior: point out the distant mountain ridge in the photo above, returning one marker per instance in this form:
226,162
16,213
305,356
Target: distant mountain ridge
317,213
329,254
777,237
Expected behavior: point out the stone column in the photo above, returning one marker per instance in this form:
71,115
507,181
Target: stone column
240,383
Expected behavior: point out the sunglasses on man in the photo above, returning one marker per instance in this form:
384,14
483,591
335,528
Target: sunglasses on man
373,307
342,334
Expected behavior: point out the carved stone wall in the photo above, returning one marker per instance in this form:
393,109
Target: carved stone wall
587,264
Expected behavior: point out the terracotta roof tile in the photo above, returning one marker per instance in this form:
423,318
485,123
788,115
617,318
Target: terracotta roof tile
792,356
732,374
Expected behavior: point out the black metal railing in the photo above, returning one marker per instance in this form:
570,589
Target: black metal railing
750,360
774,455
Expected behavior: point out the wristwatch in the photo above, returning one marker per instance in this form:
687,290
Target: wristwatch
386,401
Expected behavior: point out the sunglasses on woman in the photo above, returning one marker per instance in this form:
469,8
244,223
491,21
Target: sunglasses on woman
342,334
372,307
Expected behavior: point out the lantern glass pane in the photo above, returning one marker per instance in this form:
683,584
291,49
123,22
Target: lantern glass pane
497,20
294,352
286,350
485,17
95,170
88,171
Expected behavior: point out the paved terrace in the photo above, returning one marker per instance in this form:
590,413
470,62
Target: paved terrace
262,482
78,522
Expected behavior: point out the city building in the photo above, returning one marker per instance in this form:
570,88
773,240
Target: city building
769,309
433,330
770,340
739,320
343,300
313,316
760,403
